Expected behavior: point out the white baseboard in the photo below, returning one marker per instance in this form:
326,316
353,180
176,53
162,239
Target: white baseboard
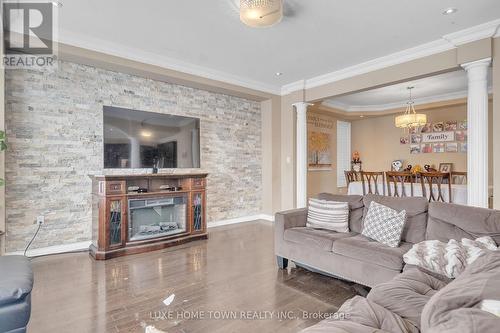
85,245
54,249
242,219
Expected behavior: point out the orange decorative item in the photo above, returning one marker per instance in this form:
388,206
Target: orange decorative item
417,169
355,157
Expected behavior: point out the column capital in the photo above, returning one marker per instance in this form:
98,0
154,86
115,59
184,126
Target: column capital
478,63
301,106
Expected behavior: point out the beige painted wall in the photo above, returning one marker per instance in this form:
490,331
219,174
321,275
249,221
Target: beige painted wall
324,181
377,140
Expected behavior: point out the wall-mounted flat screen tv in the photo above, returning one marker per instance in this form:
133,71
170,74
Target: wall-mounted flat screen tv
138,139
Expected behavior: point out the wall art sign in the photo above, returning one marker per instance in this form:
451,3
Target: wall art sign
438,137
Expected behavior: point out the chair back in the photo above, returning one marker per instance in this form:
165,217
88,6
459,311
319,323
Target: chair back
432,181
371,182
458,177
352,176
399,181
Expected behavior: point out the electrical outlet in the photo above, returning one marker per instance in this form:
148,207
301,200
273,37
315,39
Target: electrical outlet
40,219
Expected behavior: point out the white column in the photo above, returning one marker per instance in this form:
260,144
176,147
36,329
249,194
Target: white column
301,154
477,143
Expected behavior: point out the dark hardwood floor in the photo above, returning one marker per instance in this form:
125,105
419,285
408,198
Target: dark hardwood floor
233,271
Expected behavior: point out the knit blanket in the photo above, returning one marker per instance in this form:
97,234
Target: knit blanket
449,259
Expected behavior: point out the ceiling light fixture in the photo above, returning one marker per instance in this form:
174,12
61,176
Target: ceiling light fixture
261,13
410,118
449,11
279,73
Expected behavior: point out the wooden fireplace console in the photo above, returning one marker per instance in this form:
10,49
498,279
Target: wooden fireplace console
112,231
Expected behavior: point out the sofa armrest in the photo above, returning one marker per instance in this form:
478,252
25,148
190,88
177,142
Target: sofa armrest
290,219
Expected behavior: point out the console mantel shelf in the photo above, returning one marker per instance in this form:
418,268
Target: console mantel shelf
151,175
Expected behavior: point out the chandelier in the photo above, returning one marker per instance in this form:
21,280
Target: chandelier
410,118
261,13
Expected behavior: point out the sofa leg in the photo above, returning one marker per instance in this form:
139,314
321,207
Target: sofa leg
282,262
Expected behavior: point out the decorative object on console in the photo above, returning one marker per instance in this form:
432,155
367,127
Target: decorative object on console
409,168
356,164
138,213
445,167
429,168
397,165
416,169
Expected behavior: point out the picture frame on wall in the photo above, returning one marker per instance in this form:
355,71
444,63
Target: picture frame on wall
450,126
426,148
462,125
438,127
463,147
445,167
451,147
404,140
461,136
426,128
415,139
415,149
438,147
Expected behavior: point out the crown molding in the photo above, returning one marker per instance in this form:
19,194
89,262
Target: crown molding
294,86
118,50
390,106
485,30
445,43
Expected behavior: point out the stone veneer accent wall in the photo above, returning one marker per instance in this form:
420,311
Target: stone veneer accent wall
54,129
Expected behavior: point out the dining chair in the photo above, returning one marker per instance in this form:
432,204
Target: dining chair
435,178
351,176
399,180
458,177
372,178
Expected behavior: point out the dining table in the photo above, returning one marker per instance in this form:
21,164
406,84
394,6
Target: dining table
458,191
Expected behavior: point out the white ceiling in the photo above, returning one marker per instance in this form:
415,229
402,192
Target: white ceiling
437,88
316,36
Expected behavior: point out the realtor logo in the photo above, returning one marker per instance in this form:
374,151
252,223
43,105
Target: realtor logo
29,30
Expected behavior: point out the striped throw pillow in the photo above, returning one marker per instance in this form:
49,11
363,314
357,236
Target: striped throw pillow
332,215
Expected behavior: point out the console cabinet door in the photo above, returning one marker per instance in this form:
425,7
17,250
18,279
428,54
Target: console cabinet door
116,226
198,212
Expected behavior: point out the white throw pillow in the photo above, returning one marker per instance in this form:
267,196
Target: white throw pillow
384,224
331,215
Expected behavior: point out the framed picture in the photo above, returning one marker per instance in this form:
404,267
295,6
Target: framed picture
426,128
438,127
450,126
404,140
415,149
438,147
462,125
452,147
463,148
319,151
426,148
445,167
415,139
461,136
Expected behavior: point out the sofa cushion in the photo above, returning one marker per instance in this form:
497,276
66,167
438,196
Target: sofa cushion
360,315
384,224
449,221
416,214
355,208
16,279
364,249
407,294
315,238
457,307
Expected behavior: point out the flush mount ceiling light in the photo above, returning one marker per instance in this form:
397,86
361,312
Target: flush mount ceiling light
410,118
449,11
278,74
261,13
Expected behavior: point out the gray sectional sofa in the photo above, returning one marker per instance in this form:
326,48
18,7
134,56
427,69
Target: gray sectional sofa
16,283
403,298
